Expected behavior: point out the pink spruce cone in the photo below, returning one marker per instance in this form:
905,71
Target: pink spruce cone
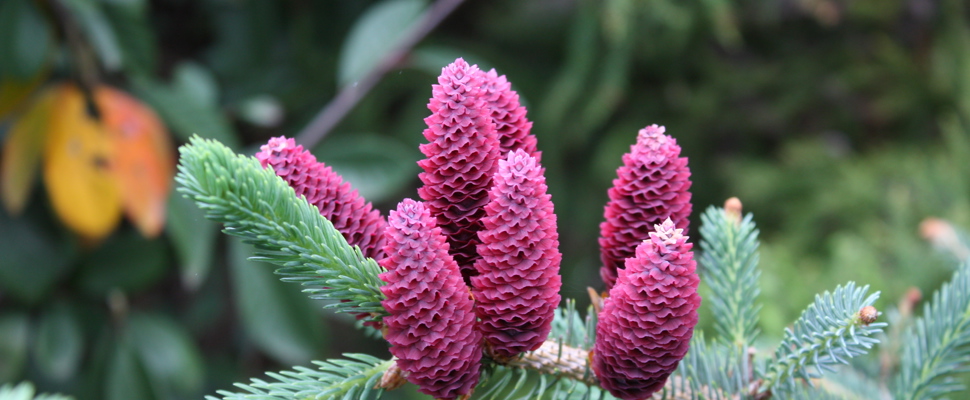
431,321
651,186
462,157
511,126
647,321
337,201
517,286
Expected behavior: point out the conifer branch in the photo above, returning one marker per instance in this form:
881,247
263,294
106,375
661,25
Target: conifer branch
352,378
255,204
937,346
571,328
26,391
712,370
729,262
828,332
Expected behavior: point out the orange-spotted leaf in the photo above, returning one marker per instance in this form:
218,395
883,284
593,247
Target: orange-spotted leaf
77,168
22,150
144,162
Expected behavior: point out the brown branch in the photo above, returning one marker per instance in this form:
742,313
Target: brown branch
85,66
350,95
555,359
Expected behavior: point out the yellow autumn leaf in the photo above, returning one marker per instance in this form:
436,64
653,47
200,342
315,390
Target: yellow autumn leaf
22,150
77,168
144,162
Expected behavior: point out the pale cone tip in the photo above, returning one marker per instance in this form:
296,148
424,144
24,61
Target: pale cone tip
652,137
933,228
732,207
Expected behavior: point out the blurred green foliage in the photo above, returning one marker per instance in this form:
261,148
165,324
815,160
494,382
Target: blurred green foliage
840,124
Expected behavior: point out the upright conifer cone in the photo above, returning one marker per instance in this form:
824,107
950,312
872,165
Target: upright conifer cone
511,126
337,201
517,286
431,323
651,186
461,158
647,321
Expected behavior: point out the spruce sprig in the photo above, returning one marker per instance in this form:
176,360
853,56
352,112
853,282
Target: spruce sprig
354,377
937,346
26,391
255,204
729,262
711,369
829,331
729,266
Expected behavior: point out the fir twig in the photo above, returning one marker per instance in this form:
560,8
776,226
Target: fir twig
351,378
258,206
829,331
937,346
711,371
729,267
26,391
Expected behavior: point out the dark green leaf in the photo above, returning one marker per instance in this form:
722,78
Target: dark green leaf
127,262
170,358
98,31
185,113
193,238
135,5
245,36
374,35
431,58
125,378
377,166
33,259
137,40
59,343
568,84
261,110
724,22
277,317
25,39
610,89
196,82
14,331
